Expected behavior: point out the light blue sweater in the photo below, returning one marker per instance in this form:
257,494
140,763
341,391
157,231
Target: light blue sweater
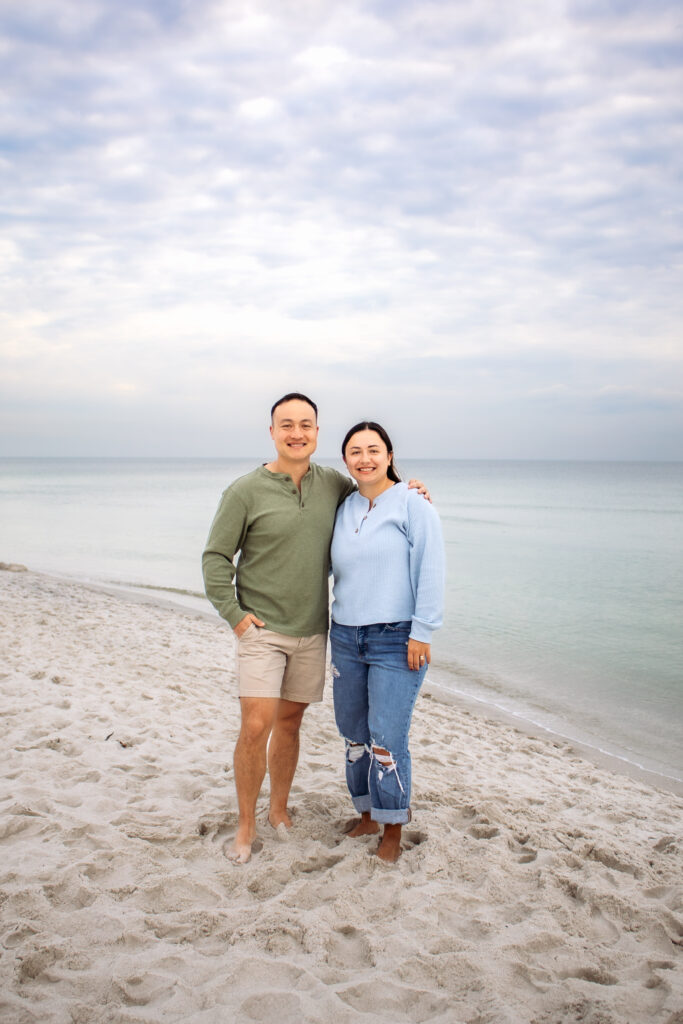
388,562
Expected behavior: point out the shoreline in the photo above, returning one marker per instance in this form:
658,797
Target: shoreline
197,604
534,887
595,755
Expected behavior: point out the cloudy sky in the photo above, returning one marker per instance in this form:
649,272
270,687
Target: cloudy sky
461,218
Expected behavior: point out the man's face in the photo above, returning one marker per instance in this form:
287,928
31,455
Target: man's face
294,430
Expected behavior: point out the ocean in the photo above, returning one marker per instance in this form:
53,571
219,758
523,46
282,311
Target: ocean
564,602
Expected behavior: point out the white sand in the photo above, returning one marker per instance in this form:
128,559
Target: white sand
534,887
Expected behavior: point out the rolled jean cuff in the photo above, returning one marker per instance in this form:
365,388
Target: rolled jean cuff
390,815
362,803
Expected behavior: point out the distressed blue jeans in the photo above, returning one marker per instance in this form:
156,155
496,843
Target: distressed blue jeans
374,698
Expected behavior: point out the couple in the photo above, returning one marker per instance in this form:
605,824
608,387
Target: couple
387,562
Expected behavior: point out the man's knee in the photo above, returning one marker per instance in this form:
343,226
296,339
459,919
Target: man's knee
258,716
289,716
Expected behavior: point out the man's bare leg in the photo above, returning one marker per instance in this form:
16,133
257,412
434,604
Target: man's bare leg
283,756
258,716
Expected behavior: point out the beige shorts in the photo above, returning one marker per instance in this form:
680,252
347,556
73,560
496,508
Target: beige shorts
274,665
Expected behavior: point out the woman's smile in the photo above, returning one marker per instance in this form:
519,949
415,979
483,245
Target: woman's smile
368,459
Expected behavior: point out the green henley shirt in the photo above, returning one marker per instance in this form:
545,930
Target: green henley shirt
283,540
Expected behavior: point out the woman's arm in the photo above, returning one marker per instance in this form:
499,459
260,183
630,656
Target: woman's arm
427,570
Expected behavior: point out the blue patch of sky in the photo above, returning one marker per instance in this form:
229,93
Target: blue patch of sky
660,54
611,9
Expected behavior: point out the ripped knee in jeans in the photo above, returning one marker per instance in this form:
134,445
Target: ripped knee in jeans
354,751
386,763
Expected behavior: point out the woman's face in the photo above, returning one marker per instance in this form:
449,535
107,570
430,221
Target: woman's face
367,458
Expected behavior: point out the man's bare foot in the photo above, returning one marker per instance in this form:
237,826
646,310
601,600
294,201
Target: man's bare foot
282,832
363,826
277,818
389,849
239,851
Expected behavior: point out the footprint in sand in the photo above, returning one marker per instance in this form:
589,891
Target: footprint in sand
670,895
32,964
139,991
536,977
317,862
269,882
18,935
284,1007
595,975
609,859
483,831
71,894
347,947
528,856
277,935
525,854
667,844
18,818
398,1002
190,927
217,826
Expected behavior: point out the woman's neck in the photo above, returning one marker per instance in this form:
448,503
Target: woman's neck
373,491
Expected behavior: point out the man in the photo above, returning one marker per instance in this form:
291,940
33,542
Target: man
280,519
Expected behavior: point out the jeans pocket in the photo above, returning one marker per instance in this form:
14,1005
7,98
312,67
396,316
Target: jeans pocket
397,627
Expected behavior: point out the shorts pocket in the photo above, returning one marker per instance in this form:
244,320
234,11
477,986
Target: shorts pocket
250,632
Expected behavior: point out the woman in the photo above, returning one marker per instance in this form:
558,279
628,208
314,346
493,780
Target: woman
388,566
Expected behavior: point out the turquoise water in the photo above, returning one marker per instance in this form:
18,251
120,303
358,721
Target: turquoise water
565,580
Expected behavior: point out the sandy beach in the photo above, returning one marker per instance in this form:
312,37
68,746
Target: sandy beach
534,885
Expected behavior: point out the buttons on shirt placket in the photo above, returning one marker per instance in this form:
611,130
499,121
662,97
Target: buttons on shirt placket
364,518
299,495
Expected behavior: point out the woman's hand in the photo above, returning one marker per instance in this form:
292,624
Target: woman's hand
419,654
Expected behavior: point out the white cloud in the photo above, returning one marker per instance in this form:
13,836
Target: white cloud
274,189
322,60
260,108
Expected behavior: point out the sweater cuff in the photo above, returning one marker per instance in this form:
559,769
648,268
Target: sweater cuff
419,630
233,616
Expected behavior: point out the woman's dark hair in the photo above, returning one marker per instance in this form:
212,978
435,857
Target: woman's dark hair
369,425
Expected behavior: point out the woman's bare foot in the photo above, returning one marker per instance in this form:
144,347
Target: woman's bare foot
363,826
389,849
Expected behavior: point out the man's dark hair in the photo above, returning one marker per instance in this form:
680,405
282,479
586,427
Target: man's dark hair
295,396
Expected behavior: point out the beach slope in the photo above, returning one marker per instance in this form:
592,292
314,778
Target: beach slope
534,887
